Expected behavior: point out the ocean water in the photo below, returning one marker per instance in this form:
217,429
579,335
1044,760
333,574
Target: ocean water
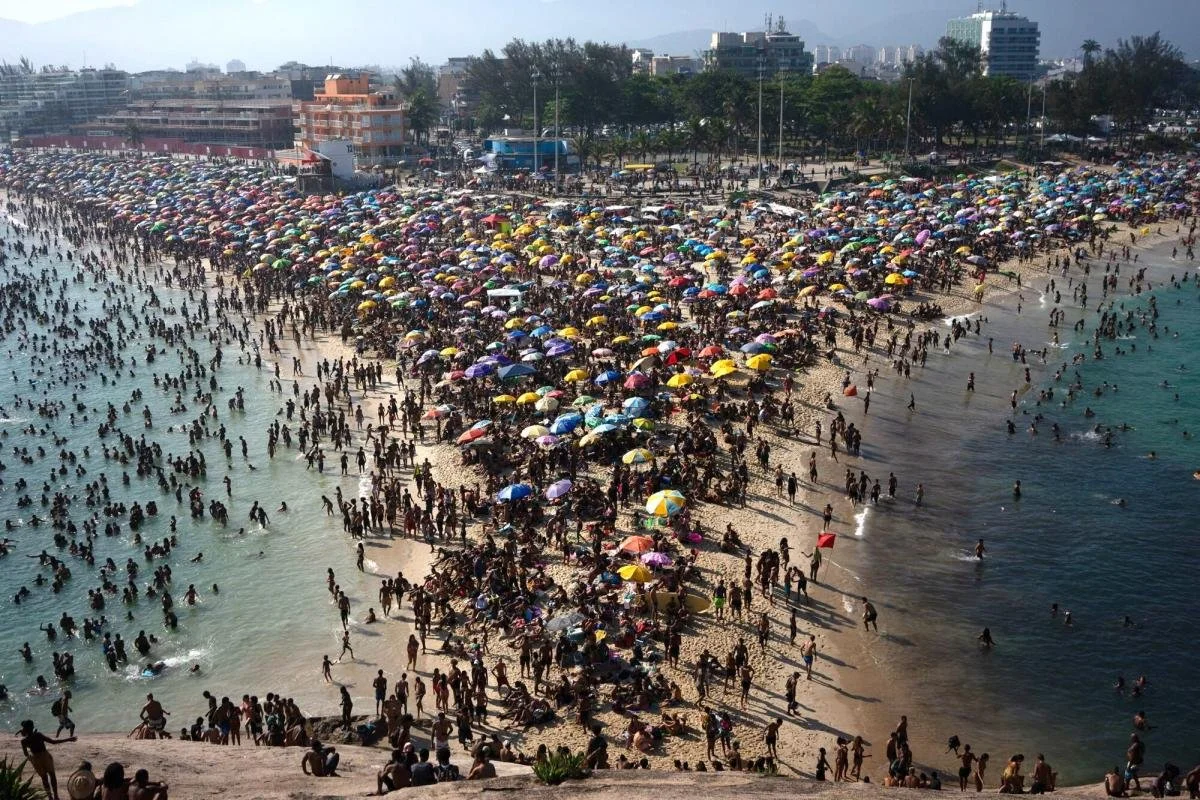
272,618
1047,686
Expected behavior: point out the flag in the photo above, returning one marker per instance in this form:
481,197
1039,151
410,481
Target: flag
826,539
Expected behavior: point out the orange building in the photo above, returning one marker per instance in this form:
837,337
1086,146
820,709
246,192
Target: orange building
347,109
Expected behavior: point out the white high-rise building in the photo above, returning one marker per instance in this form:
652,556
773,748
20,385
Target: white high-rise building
1008,43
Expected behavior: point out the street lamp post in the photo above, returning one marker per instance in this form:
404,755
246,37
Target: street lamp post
1042,135
779,76
557,136
761,69
908,120
534,77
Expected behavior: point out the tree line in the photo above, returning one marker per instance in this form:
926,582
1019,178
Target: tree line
611,111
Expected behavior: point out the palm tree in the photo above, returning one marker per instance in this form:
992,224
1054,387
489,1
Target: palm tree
1089,47
641,143
618,148
669,141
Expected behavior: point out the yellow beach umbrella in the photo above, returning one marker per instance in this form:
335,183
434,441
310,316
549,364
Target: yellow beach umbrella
635,573
680,380
760,362
503,399
576,375
638,455
534,431
528,397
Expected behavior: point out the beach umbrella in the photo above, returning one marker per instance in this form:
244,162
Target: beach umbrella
471,435
566,621
638,455
528,398
665,503
565,424
637,380
636,406
438,412
680,380
479,370
558,489
635,573
514,491
546,404
760,362
514,371
576,375
504,399
534,431
606,377
637,544
656,559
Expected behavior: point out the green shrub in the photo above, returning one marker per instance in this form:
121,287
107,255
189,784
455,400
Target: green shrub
560,767
12,787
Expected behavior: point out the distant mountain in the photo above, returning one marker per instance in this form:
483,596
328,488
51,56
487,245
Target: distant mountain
680,43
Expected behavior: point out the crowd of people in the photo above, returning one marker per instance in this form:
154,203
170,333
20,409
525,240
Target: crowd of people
571,398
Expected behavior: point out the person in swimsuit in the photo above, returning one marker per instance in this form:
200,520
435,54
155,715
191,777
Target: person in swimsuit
33,744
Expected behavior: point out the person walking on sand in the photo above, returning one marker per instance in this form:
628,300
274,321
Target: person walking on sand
33,745
412,646
771,737
967,760
327,668
808,652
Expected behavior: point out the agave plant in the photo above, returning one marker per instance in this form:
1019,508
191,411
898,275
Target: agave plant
12,787
559,767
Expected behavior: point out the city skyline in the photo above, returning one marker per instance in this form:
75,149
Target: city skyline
64,31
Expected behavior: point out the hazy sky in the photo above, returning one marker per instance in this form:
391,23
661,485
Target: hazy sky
148,34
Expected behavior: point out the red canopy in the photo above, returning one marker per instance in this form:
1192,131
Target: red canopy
826,539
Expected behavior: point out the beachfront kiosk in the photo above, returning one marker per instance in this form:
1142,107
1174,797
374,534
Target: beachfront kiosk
515,154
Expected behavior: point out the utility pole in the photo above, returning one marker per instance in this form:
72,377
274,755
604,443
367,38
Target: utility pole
908,120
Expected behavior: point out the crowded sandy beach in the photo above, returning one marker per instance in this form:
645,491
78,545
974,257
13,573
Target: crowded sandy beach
601,465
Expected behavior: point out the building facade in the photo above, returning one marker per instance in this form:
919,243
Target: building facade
51,101
348,109
752,53
249,123
1008,43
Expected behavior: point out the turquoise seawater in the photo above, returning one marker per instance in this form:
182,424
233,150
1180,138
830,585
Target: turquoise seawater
1047,686
272,618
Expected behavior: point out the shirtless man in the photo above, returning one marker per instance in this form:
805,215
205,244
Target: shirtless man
380,685
320,762
964,771
154,716
441,730
808,652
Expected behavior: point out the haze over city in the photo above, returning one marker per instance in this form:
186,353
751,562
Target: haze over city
156,34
